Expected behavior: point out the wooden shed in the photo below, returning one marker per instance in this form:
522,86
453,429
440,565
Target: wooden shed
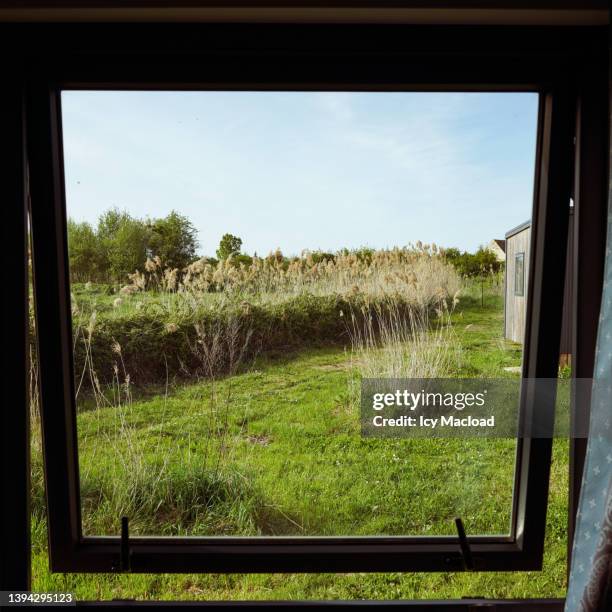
517,269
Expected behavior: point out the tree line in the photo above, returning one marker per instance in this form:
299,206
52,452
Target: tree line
120,244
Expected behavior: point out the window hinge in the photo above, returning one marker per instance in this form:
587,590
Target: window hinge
466,552
125,562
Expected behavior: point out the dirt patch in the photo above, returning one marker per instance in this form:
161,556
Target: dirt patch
261,439
333,367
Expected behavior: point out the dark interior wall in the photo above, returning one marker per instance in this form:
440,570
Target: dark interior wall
14,487
568,302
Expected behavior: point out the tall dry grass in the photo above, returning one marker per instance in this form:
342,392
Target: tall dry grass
391,341
285,303
419,274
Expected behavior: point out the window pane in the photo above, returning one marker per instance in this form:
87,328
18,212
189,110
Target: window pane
241,261
519,272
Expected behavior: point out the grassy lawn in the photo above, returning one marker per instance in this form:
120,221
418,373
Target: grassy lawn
276,450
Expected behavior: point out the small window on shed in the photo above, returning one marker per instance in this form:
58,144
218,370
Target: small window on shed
519,274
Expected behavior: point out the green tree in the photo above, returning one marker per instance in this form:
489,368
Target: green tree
487,261
452,254
84,252
128,250
124,243
229,245
174,240
110,222
480,263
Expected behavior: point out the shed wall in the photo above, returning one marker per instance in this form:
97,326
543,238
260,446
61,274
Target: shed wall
516,304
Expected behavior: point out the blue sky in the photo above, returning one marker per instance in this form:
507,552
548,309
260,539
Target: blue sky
306,170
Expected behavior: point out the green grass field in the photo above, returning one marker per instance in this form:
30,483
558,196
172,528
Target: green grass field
276,450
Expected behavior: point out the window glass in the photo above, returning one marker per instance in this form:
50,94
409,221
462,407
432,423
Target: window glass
519,274
241,262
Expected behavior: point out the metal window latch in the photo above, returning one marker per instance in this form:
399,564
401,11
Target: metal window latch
466,552
125,561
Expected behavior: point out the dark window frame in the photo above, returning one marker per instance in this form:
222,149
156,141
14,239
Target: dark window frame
316,57
519,291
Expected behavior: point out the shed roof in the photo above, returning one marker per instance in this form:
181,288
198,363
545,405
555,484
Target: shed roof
518,229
